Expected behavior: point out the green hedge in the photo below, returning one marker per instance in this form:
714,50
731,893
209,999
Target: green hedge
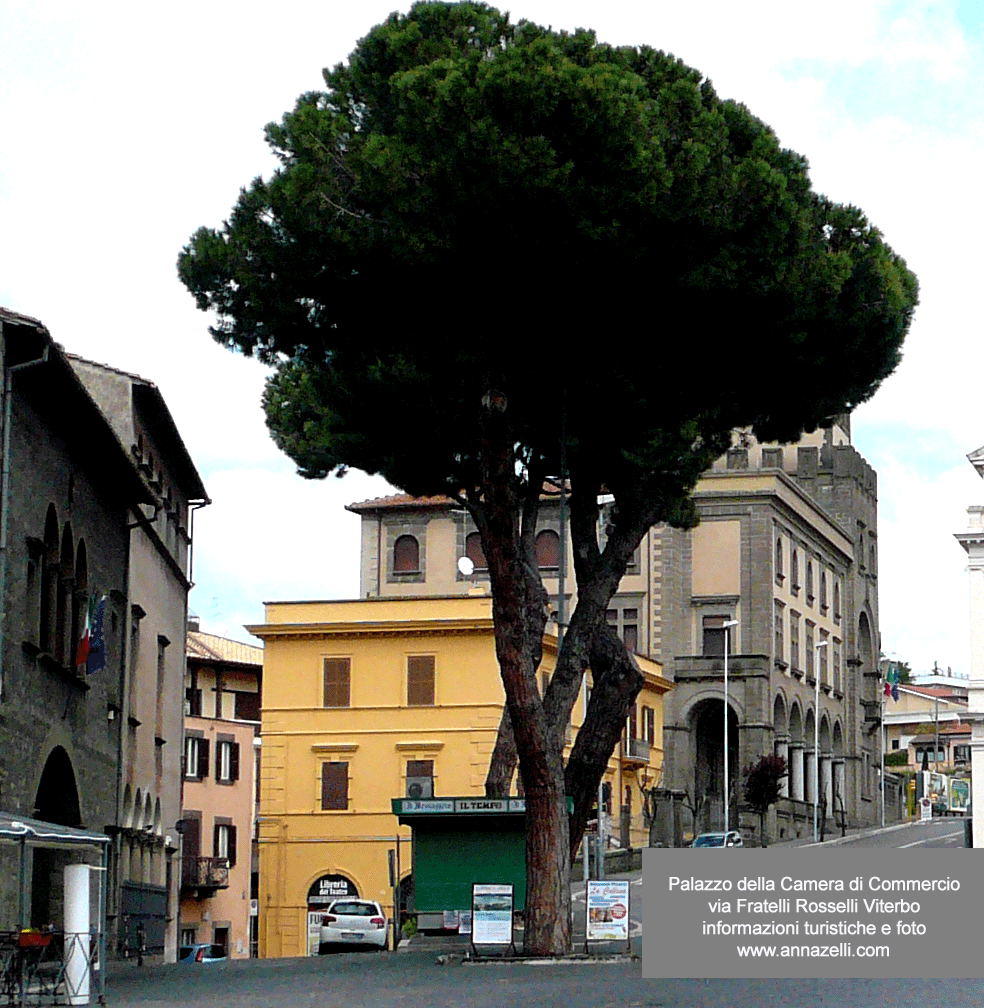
898,758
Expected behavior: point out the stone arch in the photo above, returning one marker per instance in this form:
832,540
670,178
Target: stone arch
869,683
837,740
148,813
157,817
780,722
57,797
824,733
127,807
796,722
706,722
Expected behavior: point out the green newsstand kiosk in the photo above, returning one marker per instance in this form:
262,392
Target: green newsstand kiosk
460,841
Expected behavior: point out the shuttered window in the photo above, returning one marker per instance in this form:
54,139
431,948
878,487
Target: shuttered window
474,551
547,549
406,555
649,717
224,842
337,682
226,761
334,786
420,680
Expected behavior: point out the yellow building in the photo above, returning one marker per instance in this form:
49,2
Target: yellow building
365,701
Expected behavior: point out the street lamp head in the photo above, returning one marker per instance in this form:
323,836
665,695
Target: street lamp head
730,622
821,644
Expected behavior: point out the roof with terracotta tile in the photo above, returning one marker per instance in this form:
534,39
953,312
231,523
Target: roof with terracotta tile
957,693
400,501
212,648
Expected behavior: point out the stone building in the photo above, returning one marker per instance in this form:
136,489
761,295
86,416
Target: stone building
92,540
786,552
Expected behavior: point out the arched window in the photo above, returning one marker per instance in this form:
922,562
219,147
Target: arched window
809,582
779,574
837,601
794,572
49,583
80,602
474,551
64,599
406,555
823,591
547,549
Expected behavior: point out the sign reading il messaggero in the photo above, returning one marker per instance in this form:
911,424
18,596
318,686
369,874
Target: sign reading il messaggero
492,914
608,911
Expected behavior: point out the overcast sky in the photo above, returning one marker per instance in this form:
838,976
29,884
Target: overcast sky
126,128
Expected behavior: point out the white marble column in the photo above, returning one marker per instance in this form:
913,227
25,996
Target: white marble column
796,770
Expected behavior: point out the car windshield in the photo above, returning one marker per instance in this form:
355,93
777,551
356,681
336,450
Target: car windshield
354,909
709,840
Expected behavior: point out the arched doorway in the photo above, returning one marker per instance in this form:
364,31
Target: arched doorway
707,731
56,801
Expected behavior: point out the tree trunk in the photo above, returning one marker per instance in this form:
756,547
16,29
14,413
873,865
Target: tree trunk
502,765
540,758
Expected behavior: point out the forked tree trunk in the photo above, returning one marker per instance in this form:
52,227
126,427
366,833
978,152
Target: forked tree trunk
540,759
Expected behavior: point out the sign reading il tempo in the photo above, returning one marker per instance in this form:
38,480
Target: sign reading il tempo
492,914
607,911
443,806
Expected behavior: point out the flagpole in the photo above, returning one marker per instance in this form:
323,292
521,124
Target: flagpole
883,756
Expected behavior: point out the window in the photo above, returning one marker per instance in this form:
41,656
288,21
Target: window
824,661
809,583
334,786
780,641
794,572
195,757
247,706
406,555
337,682
779,575
895,743
837,602
420,778
649,725
931,755
224,841
714,635
226,761
794,640
547,549
838,671
420,680
961,753
823,593
626,624
474,551
193,701
810,649
632,724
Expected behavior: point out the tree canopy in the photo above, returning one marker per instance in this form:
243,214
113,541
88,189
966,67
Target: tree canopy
494,254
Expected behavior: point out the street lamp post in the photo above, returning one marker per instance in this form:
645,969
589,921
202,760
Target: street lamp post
816,743
727,625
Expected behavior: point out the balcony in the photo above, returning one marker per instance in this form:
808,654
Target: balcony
635,752
203,876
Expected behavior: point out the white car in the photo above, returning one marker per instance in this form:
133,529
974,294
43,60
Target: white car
730,839
354,922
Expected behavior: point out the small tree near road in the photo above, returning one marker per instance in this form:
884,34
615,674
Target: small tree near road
763,788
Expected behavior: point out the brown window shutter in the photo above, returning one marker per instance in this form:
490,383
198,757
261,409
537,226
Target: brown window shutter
420,681
420,768
650,725
234,761
633,725
334,785
191,842
202,758
232,845
547,549
406,555
215,841
337,682
474,551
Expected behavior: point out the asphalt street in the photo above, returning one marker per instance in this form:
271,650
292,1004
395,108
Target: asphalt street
388,980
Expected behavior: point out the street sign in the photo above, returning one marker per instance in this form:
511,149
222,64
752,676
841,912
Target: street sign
925,810
607,911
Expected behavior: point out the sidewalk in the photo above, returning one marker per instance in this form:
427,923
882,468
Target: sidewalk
850,834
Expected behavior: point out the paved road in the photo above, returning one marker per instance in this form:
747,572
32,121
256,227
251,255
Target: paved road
943,832
396,980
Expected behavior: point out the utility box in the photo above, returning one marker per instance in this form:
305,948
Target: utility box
461,841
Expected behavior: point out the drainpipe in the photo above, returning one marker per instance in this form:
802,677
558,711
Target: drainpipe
8,385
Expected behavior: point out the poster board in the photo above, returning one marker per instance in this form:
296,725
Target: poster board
492,914
607,911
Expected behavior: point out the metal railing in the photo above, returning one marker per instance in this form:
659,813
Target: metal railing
637,749
204,873
49,968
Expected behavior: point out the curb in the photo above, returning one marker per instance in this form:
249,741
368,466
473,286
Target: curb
569,960
837,841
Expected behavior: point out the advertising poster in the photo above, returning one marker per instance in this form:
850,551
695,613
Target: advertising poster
492,913
607,911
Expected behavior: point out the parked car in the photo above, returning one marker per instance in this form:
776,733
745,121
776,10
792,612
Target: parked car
730,839
201,954
354,922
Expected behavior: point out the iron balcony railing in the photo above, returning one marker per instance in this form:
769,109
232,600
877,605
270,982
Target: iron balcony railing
204,873
637,750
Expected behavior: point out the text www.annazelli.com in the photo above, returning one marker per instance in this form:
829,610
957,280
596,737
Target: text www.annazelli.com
843,950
